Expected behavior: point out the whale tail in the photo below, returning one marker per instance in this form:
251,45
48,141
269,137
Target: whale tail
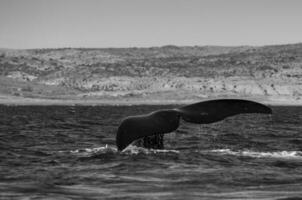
165,121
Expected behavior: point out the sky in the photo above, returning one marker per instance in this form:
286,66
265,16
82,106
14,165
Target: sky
143,23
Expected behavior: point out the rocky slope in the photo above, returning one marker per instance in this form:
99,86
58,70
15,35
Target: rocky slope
158,73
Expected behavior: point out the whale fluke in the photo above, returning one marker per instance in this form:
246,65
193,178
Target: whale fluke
165,121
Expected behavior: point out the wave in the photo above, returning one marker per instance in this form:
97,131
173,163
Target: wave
96,150
276,154
134,150
130,150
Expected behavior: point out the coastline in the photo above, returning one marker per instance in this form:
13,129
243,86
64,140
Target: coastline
23,101
151,76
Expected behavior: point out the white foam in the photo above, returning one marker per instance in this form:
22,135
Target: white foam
132,149
276,154
102,150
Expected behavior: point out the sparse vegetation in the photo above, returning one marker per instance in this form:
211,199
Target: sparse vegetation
210,70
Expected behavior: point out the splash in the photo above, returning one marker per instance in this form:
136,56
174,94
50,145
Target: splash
134,150
276,154
130,150
97,150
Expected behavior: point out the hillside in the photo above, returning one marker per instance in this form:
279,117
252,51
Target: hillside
168,73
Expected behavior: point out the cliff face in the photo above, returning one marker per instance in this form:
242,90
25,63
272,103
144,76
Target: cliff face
167,72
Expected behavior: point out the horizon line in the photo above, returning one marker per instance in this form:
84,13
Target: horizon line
148,47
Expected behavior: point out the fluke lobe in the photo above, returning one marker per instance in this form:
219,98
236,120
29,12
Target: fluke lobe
165,121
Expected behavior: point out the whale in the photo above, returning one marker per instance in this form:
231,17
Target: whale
148,130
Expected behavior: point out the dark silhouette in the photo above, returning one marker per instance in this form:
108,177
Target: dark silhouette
165,121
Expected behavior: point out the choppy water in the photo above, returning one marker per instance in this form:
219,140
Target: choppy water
68,152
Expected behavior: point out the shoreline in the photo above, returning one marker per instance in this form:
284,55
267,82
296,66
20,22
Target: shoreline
9,101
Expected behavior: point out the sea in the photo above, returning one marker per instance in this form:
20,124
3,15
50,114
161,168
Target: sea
69,152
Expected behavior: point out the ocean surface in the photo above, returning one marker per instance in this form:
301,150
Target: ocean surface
69,152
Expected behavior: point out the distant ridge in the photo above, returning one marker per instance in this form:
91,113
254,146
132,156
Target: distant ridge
156,73
162,46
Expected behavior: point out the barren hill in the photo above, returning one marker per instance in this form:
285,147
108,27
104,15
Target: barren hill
169,73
